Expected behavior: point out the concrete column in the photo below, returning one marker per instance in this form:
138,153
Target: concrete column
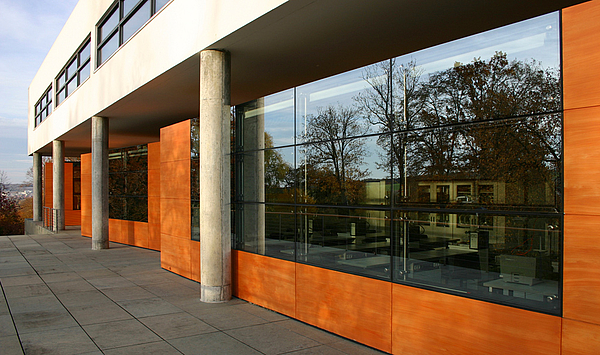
254,179
38,210
58,184
215,204
99,183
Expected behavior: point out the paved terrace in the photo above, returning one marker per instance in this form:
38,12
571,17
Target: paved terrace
60,297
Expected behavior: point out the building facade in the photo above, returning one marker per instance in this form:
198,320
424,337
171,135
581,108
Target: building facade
415,177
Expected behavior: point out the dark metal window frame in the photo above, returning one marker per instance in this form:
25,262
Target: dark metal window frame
40,108
69,77
118,29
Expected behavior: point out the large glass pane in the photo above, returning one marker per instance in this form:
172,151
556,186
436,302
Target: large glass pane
353,240
136,21
509,165
266,229
61,80
511,258
62,94
108,48
339,102
349,172
271,116
106,28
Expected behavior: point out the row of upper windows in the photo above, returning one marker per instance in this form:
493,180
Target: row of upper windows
119,23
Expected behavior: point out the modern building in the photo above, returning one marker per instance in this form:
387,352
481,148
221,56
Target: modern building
418,176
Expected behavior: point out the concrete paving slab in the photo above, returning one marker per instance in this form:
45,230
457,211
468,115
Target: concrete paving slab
176,325
91,313
73,299
21,280
64,341
10,345
210,344
121,333
27,291
229,318
7,327
61,277
33,322
147,307
71,286
127,293
158,348
272,339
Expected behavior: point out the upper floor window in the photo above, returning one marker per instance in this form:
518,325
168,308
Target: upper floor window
75,73
43,108
121,21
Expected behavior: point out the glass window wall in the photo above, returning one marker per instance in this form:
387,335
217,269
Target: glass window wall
128,183
75,73
439,169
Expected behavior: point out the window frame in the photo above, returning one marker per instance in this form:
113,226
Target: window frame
123,19
64,79
40,108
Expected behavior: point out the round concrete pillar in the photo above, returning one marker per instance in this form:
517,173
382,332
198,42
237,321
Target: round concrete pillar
58,184
99,183
215,209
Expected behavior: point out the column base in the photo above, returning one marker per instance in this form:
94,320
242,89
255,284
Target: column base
99,245
215,294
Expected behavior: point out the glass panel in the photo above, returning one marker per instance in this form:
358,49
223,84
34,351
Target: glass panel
266,229
84,73
350,172
72,68
136,209
61,79
273,115
511,258
160,4
106,28
116,207
71,86
342,101
50,108
196,220
128,5
85,53
278,175
137,183
136,21
62,94
511,164
352,240
108,48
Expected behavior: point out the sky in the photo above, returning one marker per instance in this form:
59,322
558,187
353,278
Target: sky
27,30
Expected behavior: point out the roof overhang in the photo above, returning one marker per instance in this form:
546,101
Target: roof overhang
302,41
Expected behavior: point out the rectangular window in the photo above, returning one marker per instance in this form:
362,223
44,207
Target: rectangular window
75,73
76,186
121,22
128,183
195,177
43,108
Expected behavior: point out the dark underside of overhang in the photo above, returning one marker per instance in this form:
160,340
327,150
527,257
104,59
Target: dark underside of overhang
302,41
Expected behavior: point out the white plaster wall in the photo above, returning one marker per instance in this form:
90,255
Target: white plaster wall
181,29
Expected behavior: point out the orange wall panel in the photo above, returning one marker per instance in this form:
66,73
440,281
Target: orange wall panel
353,306
265,281
581,57
154,236
175,218
195,260
427,322
175,142
580,338
175,255
154,183
86,195
154,156
175,179
581,274
581,170
154,210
